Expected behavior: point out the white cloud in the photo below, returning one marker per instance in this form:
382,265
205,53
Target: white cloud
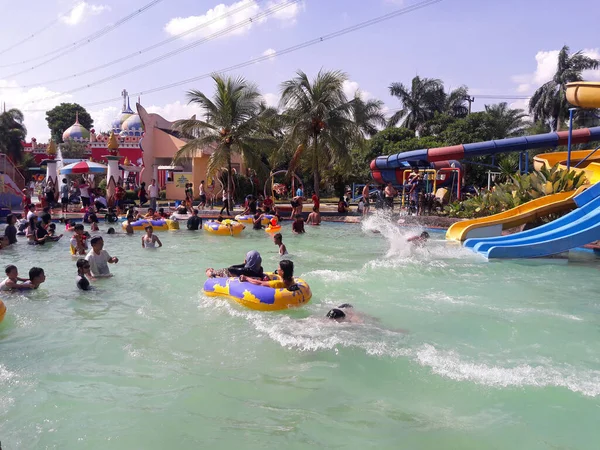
82,11
103,118
236,13
176,110
546,63
271,99
270,53
350,88
35,113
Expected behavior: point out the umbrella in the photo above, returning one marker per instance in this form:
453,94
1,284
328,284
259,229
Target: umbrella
83,167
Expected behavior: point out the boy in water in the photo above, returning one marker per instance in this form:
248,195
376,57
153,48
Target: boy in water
419,240
278,240
36,277
298,225
83,269
128,227
52,233
99,258
79,244
314,218
12,280
149,240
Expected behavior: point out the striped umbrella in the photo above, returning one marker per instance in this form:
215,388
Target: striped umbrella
83,167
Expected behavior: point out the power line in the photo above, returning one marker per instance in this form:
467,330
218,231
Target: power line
215,35
282,52
59,52
41,30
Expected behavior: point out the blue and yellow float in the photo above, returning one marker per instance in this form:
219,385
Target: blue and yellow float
259,298
157,225
249,219
2,311
226,227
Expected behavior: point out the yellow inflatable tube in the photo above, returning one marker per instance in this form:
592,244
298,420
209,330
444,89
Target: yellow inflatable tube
259,298
227,227
157,225
2,310
585,94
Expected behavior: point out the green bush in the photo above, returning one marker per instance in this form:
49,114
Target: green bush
518,190
162,195
131,195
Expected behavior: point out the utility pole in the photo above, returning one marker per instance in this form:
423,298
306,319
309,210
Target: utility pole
470,100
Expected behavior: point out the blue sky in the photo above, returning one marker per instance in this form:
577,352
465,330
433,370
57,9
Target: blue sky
494,47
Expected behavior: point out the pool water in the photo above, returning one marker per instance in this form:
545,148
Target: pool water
453,352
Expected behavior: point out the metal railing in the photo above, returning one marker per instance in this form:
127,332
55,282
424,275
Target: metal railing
7,167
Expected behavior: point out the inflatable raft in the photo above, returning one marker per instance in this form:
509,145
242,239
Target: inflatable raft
158,225
2,311
227,227
260,298
249,219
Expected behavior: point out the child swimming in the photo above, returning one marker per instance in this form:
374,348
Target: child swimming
99,258
278,240
83,269
12,280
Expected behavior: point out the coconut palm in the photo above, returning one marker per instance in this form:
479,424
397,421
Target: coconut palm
368,115
549,102
319,121
12,133
508,122
455,102
420,102
233,124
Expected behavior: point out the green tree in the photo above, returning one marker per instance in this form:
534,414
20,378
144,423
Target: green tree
368,115
12,134
549,102
233,124
420,101
63,116
73,150
319,121
508,122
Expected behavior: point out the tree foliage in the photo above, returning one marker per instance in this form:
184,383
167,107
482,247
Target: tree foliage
549,102
63,116
12,134
234,123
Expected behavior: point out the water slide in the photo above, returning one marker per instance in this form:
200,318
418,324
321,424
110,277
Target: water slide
581,226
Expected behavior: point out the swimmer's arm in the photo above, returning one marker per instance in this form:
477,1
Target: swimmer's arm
19,279
112,259
158,240
143,242
253,281
13,285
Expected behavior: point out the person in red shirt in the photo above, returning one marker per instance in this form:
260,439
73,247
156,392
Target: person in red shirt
267,202
25,199
316,201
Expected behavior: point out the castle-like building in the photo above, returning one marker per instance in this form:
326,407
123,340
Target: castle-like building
147,143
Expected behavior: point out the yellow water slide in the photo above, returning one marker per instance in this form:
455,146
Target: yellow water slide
581,94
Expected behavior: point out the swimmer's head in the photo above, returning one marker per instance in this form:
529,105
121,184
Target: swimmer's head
111,230
335,314
425,235
345,305
286,269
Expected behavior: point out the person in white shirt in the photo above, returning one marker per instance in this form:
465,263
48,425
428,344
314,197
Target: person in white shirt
153,192
31,212
84,188
99,259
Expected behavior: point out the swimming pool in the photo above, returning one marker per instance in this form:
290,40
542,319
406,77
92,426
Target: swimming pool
495,355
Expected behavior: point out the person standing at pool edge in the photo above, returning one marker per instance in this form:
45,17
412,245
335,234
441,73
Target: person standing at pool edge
99,258
153,192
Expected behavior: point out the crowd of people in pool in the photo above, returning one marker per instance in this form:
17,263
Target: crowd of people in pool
93,262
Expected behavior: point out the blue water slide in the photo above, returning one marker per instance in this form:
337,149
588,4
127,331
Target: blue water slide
575,229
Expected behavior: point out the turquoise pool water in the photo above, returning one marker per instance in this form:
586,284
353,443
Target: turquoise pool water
454,352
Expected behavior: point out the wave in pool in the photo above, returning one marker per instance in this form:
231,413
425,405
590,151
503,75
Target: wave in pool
313,334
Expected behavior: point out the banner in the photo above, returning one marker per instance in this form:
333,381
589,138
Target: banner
182,178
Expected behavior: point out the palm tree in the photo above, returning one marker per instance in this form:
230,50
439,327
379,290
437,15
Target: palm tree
549,102
420,102
455,102
368,115
507,121
12,133
233,124
319,121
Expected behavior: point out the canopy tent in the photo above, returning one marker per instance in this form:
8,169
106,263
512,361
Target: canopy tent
82,167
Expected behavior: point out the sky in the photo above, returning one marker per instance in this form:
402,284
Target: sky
503,48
